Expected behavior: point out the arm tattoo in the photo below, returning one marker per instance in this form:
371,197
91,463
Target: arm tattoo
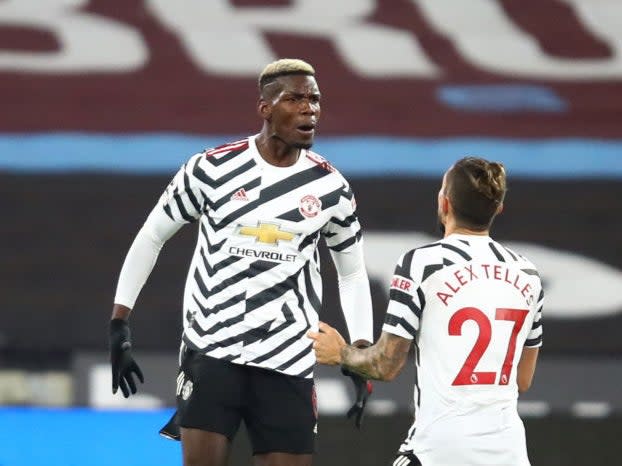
382,361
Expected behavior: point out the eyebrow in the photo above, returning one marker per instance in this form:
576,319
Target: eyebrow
302,94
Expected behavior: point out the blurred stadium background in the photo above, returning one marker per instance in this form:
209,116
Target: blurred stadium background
102,100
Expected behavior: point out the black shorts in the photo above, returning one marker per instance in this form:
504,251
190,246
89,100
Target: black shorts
279,410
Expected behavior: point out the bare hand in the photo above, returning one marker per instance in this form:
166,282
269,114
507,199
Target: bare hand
327,344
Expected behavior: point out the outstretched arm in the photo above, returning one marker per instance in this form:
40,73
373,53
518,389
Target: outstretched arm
136,269
381,361
177,206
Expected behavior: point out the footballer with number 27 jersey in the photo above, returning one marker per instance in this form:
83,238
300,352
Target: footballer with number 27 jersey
254,288
471,308
470,305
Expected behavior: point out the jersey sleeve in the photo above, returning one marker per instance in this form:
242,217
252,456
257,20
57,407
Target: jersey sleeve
406,300
354,293
534,337
185,199
343,230
142,256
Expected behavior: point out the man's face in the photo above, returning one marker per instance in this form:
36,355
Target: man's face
293,110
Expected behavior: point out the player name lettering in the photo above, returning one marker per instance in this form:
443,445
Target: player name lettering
473,272
267,255
401,284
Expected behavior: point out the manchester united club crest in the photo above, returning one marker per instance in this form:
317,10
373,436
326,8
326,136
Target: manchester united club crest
310,206
186,390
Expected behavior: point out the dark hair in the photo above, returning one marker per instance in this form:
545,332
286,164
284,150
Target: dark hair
476,188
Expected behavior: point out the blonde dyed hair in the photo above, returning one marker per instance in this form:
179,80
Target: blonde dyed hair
283,67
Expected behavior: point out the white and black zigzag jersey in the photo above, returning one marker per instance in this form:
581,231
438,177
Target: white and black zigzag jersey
471,305
254,286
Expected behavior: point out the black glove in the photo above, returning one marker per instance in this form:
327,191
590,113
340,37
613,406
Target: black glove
121,359
362,389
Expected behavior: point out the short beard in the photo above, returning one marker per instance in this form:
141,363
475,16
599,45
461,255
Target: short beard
295,145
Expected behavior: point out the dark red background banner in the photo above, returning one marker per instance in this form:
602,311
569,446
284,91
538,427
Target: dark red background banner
171,94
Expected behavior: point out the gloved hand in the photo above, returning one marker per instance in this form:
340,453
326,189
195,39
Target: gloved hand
363,388
123,364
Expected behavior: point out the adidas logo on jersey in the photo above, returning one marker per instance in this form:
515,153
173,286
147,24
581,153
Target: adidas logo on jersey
239,195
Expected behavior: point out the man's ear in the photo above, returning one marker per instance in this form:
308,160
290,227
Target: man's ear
264,109
499,209
445,205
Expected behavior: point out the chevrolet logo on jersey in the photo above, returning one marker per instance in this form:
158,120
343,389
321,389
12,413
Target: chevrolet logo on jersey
267,233
269,243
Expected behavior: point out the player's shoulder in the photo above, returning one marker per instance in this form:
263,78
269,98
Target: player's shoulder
330,174
428,259
427,249
512,255
416,259
315,159
217,158
229,148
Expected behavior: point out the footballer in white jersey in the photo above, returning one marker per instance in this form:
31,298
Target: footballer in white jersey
472,308
253,287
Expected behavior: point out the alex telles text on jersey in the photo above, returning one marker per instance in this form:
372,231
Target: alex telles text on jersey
471,305
254,286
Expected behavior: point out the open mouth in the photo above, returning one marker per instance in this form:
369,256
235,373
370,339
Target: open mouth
306,129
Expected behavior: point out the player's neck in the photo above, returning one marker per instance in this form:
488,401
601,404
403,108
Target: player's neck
453,229
275,151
